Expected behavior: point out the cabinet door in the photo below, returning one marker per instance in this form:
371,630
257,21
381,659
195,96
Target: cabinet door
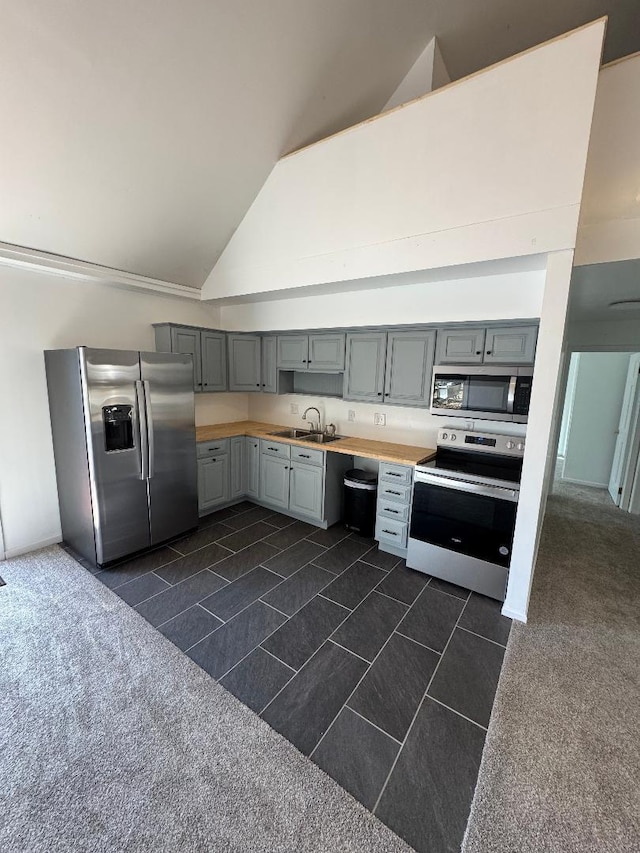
244,362
293,352
306,490
409,367
460,346
237,470
326,352
511,345
213,482
269,373
274,480
364,366
187,341
252,467
214,361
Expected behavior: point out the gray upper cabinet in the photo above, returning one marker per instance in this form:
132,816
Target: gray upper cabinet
187,342
306,494
364,366
207,347
293,352
268,370
244,362
322,352
214,361
408,370
510,345
326,352
460,346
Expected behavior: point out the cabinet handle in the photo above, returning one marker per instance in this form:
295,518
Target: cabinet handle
257,384
273,448
478,352
393,474
304,360
379,393
263,384
390,532
394,511
286,467
205,384
488,352
304,456
391,492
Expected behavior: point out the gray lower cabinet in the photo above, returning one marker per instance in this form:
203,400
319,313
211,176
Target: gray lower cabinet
393,507
274,480
515,345
244,362
306,490
364,366
409,367
213,482
252,466
238,468
268,370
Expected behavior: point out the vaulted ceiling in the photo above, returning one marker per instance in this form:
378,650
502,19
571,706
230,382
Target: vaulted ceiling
136,135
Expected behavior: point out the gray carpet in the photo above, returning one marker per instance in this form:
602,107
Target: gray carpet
113,740
561,766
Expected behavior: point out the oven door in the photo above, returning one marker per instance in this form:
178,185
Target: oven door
474,519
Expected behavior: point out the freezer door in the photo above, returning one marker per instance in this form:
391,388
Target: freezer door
119,491
170,415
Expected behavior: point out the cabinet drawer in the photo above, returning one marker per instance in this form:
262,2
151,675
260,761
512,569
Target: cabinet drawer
308,456
395,473
275,448
393,532
390,509
212,448
392,492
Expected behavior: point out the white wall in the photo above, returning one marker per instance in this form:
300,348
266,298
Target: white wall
568,403
489,167
610,215
41,311
595,413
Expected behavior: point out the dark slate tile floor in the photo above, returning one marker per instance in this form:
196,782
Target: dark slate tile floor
383,676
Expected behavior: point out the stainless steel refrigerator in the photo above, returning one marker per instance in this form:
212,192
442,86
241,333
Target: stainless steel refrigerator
123,429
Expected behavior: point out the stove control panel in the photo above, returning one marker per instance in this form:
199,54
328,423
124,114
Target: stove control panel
486,442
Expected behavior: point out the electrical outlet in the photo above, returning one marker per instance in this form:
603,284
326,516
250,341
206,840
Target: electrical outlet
351,416
294,409
379,420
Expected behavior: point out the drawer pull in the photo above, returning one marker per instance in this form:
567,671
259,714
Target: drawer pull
276,449
394,511
392,474
391,492
390,532
304,456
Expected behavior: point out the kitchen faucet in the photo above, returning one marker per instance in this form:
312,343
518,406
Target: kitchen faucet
313,427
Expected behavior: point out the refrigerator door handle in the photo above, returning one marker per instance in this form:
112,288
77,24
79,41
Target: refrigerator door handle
142,429
150,430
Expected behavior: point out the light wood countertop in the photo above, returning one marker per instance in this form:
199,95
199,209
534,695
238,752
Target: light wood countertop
383,451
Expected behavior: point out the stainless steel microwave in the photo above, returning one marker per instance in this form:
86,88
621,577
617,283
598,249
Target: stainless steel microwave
488,392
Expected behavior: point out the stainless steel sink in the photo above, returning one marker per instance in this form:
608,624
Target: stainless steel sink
293,432
320,438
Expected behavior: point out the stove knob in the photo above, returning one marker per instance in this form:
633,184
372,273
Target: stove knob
453,436
520,445
445,435
510,445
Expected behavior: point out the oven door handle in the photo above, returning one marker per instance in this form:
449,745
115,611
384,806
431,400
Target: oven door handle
465,486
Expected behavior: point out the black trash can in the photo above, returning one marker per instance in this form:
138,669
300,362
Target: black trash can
360,492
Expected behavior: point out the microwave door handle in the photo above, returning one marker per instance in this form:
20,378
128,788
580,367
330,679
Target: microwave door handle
511,394
465,486
150,429
141,411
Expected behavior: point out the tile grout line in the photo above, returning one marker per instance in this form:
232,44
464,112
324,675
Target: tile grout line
358,714
481,636
453,710
266,603
340,646
320,595
417,642
173,586
450,594
397,600
420,704
275,657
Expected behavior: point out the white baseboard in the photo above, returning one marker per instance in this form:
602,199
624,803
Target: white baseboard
583,482
34,546
514,614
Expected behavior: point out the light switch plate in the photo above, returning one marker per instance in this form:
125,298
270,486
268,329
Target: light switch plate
379,420
351,416
294,409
